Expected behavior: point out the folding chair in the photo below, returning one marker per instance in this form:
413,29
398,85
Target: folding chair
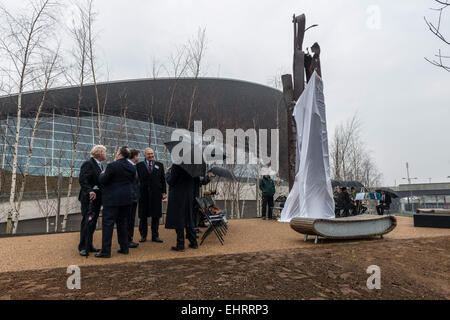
219,220
209,202
216,223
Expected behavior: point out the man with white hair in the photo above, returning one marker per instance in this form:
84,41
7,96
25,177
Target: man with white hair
152,192
90,197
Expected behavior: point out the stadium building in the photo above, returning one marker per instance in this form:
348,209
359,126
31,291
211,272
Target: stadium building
137,113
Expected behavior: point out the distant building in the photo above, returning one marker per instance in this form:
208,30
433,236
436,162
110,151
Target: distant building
137,113
423,196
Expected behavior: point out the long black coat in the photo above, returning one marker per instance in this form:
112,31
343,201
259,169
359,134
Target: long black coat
152,187
180,205
117,181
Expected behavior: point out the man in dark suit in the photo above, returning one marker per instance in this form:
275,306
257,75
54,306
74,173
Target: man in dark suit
152,192
385,203
180,207
134,158
90,191
117,182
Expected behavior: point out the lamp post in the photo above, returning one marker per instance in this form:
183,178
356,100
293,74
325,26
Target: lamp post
409,182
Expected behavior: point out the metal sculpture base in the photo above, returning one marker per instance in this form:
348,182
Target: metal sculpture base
432,220
358,227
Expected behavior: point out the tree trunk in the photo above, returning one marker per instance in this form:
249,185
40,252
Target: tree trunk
30,152
12,194
288,93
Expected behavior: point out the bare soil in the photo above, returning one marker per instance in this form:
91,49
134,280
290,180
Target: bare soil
410,269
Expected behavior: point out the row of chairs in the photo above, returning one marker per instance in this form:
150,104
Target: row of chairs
216,218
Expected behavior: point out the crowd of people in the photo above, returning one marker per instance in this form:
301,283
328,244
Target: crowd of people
346,204
127,185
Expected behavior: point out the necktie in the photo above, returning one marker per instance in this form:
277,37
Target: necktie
101,166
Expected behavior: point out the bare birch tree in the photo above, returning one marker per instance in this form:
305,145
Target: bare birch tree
196,49
47,206
80,36
439,60
179,62
24,35
50,71
91,56
349,158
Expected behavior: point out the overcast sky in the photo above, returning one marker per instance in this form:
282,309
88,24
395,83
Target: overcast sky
377,70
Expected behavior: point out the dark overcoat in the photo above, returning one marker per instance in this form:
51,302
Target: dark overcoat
88,179
152,187
117,182
180,205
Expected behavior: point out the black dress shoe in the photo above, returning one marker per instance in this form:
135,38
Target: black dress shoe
84,253
193,246
102,255
142,239
122,251
157,240
133,245
94,250
177,249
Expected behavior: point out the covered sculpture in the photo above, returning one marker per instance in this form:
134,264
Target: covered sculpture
311,195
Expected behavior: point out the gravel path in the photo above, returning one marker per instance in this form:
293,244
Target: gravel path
410,269
244,236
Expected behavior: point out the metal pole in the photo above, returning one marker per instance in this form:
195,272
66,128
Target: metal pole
409,182
58,208
92,123
53,141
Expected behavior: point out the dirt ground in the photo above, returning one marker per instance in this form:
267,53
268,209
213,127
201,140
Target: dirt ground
410,269
244,236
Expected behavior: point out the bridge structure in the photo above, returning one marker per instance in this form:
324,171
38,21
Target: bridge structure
423,195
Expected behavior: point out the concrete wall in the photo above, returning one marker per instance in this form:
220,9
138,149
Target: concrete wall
40,208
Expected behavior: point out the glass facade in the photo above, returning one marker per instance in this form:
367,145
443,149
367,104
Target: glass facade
53,146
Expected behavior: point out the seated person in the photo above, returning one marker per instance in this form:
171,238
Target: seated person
353,208
337,202
385,203
211,205
345,202
362,208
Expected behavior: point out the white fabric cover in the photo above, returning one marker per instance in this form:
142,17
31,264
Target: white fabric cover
311,195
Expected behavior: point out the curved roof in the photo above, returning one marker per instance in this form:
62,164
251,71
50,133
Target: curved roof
219,103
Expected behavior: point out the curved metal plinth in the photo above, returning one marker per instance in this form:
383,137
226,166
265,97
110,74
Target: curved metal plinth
362,226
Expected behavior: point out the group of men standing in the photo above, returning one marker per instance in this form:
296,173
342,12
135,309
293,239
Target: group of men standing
125,185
